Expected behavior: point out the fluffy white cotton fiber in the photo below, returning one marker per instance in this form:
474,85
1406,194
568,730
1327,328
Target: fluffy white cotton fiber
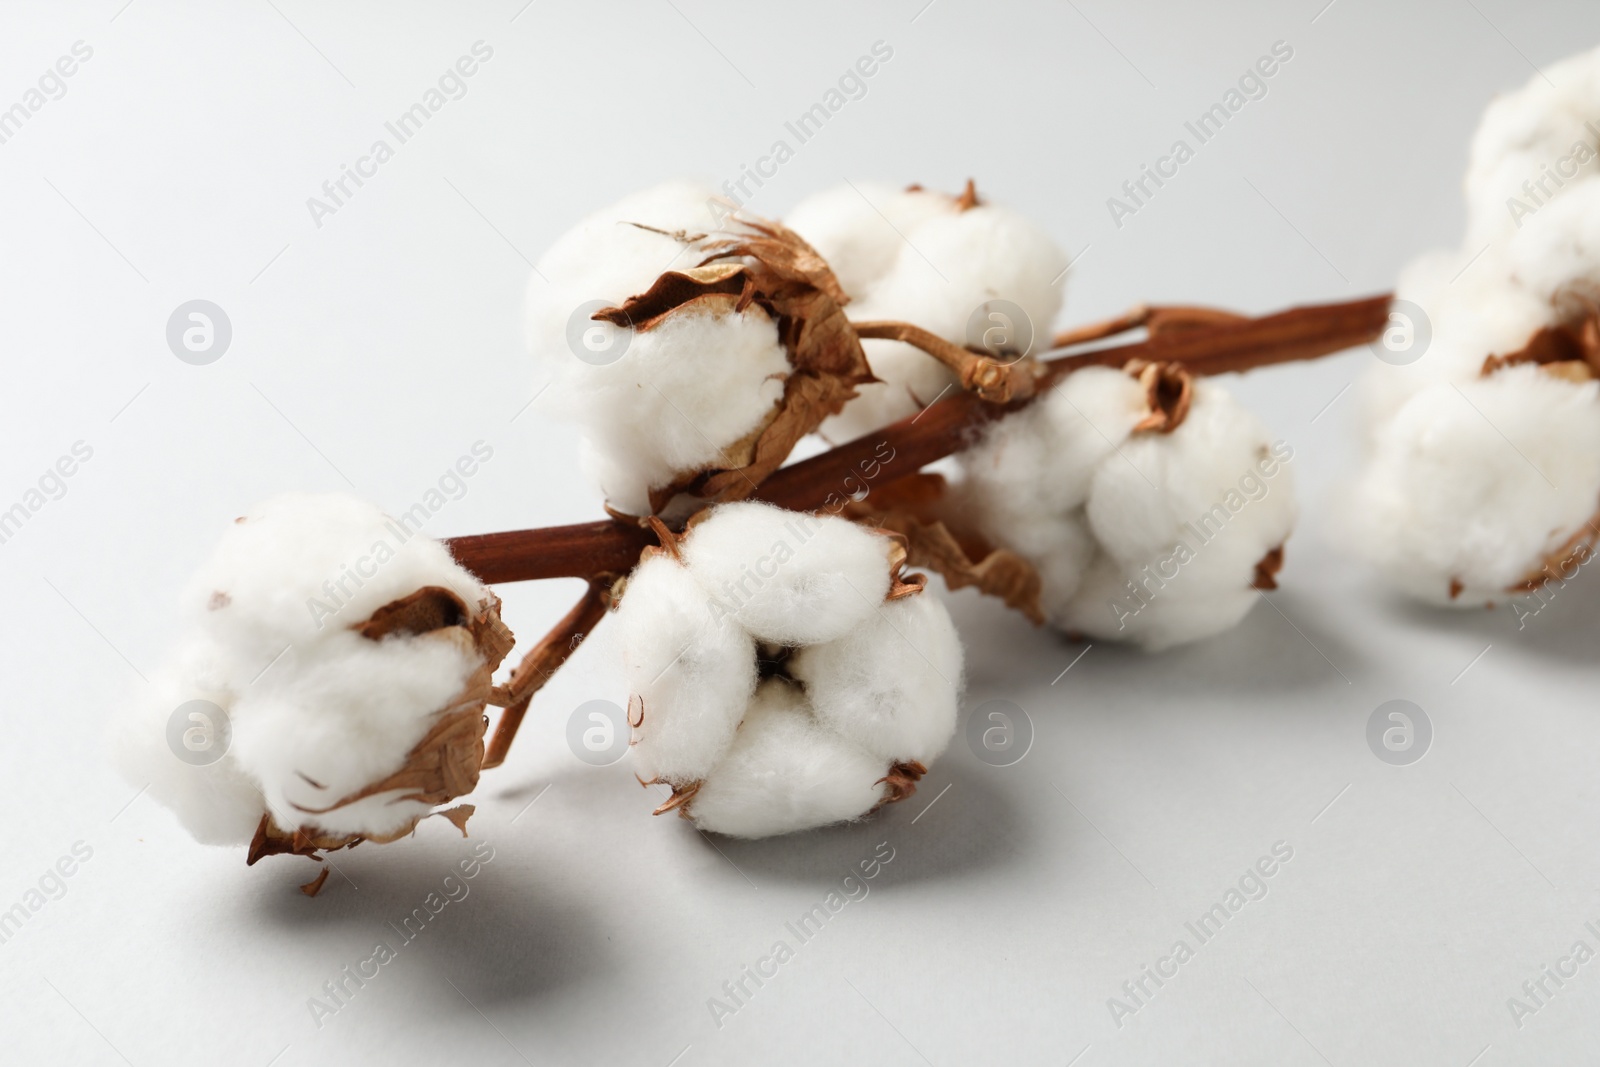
1470,487
1532,145
690,666
786,772
316,712
787,577
913,256
886,685
679,393
860,227
1474,484
855,683
1141,536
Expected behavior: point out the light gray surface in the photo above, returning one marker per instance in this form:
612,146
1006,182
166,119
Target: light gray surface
374,350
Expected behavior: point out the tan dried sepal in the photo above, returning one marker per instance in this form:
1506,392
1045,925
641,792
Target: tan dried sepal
1267,568
902,781
907,507
1570,351
1168,394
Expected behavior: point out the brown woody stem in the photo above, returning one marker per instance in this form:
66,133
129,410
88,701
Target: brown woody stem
994,381
1159,319
541,662
612,547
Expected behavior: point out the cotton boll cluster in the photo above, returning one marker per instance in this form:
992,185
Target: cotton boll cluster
1482,473
781,677
332,650
1141,534
679,393
934,261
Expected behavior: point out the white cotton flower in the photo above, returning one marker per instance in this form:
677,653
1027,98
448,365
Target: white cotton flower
925,262
860,228
300,711
678,394
1137,535
856,691
1472,488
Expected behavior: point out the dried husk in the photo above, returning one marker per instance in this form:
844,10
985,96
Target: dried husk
1570,351
909,507
1168,393
766,264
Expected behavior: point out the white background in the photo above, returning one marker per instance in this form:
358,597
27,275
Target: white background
375,349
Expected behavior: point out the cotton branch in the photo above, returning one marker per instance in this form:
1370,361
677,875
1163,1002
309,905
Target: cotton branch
1216,347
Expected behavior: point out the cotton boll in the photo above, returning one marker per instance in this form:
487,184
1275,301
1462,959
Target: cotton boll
330,720
1207,483
693,668
785,772
1142,536
1478,484
730,633
1028,478
890,685
300,565
950,267
682,392
657,402
788,577
1182,520
859,229
216,802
